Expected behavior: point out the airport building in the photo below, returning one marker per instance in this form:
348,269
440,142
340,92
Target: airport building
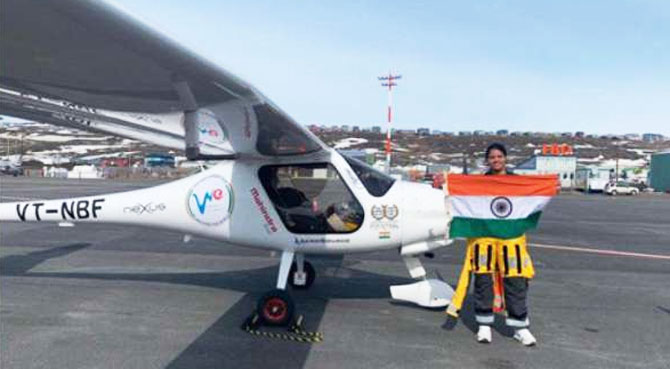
659,172
652,137
592,178
563,166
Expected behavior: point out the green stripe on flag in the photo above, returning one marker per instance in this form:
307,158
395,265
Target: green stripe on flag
498,228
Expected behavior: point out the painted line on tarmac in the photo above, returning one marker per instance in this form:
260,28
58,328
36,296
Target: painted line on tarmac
601,252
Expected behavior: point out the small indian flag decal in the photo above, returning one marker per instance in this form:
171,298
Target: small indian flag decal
384,235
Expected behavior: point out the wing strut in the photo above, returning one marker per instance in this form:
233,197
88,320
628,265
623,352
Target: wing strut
191,117
190,107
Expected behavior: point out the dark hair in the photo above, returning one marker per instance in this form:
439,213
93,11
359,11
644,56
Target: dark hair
496,146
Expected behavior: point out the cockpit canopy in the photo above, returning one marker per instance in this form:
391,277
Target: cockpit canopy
312,198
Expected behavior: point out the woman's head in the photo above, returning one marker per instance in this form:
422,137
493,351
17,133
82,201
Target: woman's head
496,157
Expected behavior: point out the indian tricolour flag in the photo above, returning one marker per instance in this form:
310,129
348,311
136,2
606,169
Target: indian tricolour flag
501,206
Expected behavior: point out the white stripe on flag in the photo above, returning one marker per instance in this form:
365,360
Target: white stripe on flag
480,207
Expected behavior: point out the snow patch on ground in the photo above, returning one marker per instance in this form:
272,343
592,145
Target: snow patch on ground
109,155
48,160
83,149
61,138
65,153
349,142
623,163
641,152
597,159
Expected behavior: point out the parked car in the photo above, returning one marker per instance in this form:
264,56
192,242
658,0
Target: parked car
10,168
621,188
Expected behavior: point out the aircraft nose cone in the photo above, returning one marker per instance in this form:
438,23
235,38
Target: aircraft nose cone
425,213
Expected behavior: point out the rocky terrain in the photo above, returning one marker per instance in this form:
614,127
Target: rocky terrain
42,144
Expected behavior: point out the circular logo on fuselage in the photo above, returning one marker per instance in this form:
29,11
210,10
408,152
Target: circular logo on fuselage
377,212
391,211
501,207
210,201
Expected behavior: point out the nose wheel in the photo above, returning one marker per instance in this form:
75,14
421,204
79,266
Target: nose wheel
276,307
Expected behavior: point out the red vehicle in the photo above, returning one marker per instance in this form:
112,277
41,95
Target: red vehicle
115,162
434,179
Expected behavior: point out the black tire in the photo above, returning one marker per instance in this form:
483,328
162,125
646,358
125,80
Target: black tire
614,193
307,268
276,308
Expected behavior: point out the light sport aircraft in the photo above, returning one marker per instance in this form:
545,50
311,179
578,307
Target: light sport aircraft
86,65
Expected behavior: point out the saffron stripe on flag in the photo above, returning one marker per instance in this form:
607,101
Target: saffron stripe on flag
502,185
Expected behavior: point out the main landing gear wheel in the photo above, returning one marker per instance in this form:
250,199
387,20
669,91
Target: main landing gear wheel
276,308
308,269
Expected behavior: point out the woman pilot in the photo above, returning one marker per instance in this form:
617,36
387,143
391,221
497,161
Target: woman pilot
488,251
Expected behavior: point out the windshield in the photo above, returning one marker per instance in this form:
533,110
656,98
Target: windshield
279,136
376,182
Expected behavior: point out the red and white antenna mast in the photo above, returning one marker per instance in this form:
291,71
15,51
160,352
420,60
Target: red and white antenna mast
389,81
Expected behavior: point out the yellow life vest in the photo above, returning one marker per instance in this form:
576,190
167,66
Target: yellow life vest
500,257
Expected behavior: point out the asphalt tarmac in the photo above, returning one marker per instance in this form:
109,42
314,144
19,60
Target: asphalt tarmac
101,296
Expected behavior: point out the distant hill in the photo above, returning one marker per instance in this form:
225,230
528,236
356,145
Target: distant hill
411,148
45,142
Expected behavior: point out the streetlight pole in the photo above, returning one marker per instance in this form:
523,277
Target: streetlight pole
389,81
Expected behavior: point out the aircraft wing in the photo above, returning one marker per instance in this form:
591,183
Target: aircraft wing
85,64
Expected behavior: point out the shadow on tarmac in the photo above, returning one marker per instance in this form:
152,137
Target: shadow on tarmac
224,344
19,265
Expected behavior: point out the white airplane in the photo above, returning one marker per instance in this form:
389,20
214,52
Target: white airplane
86,65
